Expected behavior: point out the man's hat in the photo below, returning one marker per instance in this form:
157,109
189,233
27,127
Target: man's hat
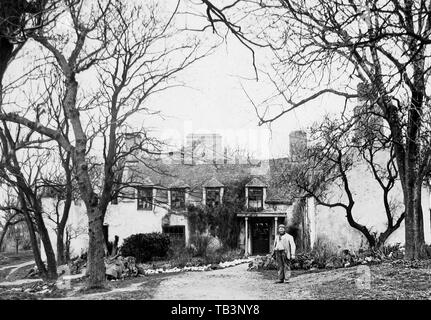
281,225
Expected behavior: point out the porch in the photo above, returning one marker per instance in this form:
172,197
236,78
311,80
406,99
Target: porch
259,230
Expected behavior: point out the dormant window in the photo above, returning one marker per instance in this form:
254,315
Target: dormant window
145,198
212,196
178,198
255,198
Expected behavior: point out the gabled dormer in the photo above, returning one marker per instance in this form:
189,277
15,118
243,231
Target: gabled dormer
212,192
178,195
255,194
145,194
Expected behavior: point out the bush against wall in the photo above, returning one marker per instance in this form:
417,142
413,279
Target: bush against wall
298,226
220,221
145,246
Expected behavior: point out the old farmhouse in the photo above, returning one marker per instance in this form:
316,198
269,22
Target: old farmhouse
158,198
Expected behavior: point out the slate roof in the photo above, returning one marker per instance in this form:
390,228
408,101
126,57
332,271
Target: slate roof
213,183
255,182
178,184
267,173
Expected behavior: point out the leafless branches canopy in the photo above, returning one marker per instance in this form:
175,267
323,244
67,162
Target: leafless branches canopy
103,60
332,46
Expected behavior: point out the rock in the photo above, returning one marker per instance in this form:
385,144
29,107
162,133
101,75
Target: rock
214,244
77,264
142,268
63,269
166,266
112,272
43,291
215,266
32,273
262,263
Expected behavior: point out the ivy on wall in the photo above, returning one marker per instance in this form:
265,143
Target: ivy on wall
220,221
299,228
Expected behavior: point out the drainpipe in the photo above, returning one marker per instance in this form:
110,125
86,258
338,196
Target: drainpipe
246,237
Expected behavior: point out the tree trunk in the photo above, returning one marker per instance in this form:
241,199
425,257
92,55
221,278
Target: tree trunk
35,246
67,247
414,223
3,233
47,245
61,253
6,50
61,257
95,258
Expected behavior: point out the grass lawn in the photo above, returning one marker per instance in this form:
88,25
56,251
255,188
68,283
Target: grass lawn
389,280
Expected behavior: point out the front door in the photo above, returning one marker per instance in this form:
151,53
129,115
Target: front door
260,232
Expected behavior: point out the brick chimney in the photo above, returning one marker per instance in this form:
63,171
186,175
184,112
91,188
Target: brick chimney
297,144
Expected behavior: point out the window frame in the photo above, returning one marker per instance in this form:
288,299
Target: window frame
177,236
212,189
251,190
142,199
182,202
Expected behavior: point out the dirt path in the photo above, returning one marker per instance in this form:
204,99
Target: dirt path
237,283
17,266
232,283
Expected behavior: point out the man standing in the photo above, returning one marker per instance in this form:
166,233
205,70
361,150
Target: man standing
284,250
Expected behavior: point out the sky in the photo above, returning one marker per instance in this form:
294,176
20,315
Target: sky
214,101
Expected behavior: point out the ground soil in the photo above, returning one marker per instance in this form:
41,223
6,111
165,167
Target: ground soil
389,280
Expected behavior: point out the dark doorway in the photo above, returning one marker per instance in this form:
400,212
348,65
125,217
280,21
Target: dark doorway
260,232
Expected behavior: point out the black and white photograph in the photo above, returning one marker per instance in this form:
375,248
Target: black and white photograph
232,152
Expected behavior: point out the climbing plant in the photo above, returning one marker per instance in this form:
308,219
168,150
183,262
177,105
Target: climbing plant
298,228
220,221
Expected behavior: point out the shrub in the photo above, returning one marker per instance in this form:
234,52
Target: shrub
26,245
200,244
392,251
322,252
145,246
223,255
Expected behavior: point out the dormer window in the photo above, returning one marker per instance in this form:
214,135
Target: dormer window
145,198
213,192
255,197
255,192
212,197
178,198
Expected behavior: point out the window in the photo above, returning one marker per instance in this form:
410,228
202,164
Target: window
212,196
178,199
177,234
255,198
145,198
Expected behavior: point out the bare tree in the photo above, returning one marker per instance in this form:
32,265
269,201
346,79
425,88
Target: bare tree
327,47
22,172
337,147
19,19
10,214
128,47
